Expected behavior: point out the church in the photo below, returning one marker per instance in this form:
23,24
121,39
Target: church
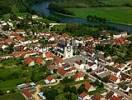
64,49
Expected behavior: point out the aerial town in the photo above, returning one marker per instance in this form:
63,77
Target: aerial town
57,66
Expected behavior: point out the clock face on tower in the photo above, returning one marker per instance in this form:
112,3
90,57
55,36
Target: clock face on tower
68,48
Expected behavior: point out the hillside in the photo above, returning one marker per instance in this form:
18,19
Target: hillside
15,6
93,3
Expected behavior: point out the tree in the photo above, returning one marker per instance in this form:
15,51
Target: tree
66,88
73,90
81,89
1,92
51,94
60,97
71,96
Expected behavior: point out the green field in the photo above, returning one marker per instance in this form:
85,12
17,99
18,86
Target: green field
13,96
116,2
114,14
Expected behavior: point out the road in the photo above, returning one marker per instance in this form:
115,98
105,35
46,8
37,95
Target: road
39,87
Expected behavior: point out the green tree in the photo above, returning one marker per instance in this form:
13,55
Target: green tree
60,97
51,94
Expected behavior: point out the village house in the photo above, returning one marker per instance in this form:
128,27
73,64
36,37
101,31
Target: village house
98,97
113,96
122,34
27,94
89,87
48,55
79,76
79,64
50,80
30,61
114,79
64,71
83,96
92,66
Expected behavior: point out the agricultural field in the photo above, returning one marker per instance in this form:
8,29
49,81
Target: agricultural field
114,14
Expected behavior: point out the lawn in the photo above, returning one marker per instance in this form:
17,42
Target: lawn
13,96
10,84
114,14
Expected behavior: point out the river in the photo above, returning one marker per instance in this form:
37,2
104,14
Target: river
42,8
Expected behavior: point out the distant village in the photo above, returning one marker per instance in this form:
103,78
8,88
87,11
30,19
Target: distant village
68,59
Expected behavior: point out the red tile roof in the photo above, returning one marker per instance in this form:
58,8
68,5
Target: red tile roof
49,78
115,98
113,78
61,71
49,54
28,60
119,41
39,60
97,97
58,60
79,75
27,93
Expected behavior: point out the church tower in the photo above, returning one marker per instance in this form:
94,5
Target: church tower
68,51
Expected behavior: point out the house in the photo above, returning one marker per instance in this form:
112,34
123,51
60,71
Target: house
48,55
116,98
66,71
119,41
83,96
113,96
27,94
79,76
114,79
58,61
79,64
29,61
39,61
92,66
30,86
50,79
89,87
97,97
122,34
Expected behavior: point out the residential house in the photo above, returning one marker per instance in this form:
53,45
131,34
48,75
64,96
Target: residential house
50,80
39,61
66,71
83,96
114,79
48,55
29,61
27,94
79,64
97,97
79,76
89,87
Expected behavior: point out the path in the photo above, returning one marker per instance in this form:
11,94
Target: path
38,89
